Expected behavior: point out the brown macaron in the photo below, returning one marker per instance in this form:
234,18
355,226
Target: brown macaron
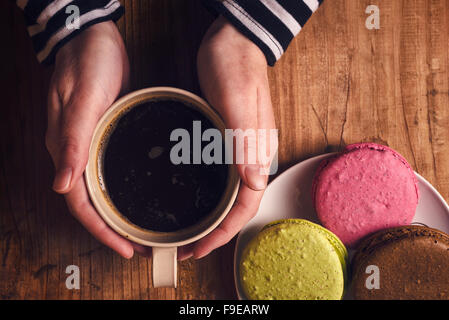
402,263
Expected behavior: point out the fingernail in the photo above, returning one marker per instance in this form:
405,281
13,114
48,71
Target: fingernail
255,180
200,256
185,257
141,250
62,180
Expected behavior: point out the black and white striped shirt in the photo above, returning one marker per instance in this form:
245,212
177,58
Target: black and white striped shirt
270,24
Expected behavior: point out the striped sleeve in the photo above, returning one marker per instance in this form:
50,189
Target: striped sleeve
270,24
52,23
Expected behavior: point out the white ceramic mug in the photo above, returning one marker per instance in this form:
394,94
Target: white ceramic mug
164,244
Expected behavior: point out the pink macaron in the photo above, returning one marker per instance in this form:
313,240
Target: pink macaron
366,188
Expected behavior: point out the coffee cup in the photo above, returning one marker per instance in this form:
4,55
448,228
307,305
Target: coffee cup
164,243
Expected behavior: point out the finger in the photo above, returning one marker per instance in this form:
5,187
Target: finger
81,208
245,142
245,209
79,119
185,252
142,250
53,116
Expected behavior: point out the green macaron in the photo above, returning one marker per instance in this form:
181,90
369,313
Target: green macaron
293,259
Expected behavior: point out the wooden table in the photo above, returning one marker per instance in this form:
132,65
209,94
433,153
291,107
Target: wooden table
338,83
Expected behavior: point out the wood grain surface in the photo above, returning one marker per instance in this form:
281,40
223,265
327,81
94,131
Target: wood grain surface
338,83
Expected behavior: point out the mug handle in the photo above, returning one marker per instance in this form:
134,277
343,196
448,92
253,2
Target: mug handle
164,267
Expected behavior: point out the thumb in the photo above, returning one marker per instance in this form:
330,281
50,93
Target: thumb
241,144
79,120
254,149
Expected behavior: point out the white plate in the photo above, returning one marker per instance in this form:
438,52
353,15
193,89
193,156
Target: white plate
289,196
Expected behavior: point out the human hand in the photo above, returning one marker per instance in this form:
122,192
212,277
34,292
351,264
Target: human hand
91,70
233,76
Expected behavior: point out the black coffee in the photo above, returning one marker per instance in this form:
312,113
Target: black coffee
141,180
